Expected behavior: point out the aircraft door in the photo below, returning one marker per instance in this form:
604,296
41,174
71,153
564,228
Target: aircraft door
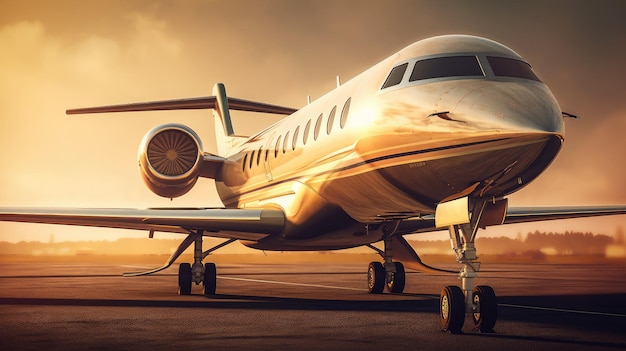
267,157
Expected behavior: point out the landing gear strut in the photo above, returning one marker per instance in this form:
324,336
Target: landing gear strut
480,301
390,274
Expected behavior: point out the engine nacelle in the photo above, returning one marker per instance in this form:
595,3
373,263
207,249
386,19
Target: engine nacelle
169,159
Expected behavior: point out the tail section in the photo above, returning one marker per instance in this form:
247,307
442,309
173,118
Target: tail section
220,103
224,134
222,111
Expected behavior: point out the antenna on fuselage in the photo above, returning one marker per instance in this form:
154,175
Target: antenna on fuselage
308,99
338,81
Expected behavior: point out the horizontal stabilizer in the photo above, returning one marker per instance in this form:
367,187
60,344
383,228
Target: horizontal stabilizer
207,102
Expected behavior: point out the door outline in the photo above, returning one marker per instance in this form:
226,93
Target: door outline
266,158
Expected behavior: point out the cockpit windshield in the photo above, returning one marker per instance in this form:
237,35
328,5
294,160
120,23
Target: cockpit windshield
508,67
454,66
463,66
396,75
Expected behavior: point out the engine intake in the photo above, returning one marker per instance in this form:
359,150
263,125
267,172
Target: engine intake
169,159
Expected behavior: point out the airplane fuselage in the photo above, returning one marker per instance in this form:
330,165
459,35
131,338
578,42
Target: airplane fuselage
442,116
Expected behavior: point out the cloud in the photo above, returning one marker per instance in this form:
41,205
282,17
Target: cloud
21,43
94,57
151,39
30,51
52,155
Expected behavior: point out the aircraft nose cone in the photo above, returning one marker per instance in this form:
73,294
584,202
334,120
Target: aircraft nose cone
511,107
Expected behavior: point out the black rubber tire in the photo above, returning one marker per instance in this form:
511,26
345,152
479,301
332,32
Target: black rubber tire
452,309
184,279
487,308
397,280
210,279
375,278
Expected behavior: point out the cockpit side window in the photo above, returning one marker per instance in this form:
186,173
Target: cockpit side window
508,67
453,66
395,77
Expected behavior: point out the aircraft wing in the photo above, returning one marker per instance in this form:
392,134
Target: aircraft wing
247,224
533,214
252,224
520,215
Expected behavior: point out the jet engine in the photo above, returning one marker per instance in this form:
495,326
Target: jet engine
169,159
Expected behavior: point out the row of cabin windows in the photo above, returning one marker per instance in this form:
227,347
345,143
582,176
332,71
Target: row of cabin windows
283,143
460,66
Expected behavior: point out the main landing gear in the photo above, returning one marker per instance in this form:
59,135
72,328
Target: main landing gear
199,273
187,273
390,274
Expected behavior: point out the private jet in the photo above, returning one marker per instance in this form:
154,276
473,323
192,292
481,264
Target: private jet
435,137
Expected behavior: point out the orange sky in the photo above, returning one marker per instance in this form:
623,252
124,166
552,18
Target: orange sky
59,54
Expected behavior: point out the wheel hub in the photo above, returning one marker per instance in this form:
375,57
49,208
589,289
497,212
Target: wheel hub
477,307
445,307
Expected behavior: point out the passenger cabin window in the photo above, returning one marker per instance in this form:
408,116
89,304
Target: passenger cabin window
277,146
285,142
455,66
395,76
294,142
245,161
305,135
344,114
508,67
318,125
258,156
331,120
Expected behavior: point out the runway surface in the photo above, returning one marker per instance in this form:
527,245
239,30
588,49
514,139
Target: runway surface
303,307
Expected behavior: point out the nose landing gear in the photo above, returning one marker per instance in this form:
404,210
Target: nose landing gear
480,302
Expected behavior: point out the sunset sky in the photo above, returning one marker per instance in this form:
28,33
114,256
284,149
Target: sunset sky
62,54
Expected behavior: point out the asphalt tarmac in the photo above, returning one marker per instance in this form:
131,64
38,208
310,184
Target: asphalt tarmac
303,307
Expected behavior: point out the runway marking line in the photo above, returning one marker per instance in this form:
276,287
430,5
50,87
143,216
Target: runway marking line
563,310
293,284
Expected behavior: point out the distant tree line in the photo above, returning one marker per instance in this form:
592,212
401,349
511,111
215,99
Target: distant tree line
124,246
574,243
568,243
537,243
